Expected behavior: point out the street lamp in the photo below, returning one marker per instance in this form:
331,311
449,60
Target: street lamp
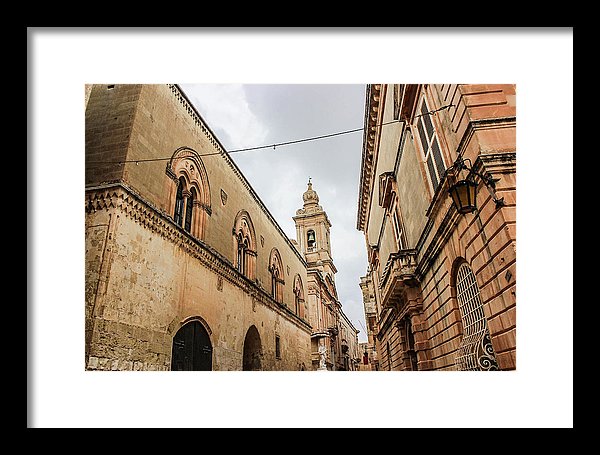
463,192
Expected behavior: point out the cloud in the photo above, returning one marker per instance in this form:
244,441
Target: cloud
257,115
227,112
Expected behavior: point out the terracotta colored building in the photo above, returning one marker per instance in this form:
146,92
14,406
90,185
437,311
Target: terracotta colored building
442,272
186,269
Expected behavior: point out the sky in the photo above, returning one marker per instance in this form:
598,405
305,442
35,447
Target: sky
252,115
538,60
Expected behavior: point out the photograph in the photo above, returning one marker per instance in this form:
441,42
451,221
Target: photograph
262,228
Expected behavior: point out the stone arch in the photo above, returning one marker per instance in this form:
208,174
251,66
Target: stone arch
192,347
185,168
252,350
475,351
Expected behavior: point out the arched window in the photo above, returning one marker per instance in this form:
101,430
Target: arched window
475,351
311,240
242,247
299,297
178,215
189,208
276,270
410,344
190,194
274,280
244,242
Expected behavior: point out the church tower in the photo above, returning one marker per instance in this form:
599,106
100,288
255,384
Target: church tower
324,308
312,234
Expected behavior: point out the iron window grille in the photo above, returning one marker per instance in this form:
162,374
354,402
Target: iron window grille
475,352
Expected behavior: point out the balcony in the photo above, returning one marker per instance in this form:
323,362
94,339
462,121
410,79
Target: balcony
398,275
370,308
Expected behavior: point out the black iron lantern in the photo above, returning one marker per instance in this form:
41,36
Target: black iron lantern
463,192
463,195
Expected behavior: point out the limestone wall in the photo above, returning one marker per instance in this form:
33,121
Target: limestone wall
145,275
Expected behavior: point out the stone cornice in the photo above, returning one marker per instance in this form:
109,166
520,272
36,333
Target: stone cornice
120,197
203,127
482,124
496,163
371,131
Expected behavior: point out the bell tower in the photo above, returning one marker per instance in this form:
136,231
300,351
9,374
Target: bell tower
312,233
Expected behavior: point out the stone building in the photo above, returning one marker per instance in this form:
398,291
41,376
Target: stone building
440,290
186,269
369,351
332,333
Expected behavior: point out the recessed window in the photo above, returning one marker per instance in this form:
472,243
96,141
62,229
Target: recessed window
311,239
410,345
389,355
277,276
189,207
179,203
299,304
189,192
185,199
245,244
277,347
242,254
274,280
110,87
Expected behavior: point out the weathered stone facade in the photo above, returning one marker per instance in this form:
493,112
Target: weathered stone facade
444,282
175,237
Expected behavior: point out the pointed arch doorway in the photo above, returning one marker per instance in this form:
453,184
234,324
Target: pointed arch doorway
192,349
252,350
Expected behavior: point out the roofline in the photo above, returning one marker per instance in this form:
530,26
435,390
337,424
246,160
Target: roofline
372,100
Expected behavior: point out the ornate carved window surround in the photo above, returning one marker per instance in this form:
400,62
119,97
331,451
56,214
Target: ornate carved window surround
189,193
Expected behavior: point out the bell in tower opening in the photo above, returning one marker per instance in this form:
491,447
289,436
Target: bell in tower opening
310,239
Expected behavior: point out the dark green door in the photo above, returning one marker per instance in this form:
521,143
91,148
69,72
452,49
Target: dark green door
192,350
